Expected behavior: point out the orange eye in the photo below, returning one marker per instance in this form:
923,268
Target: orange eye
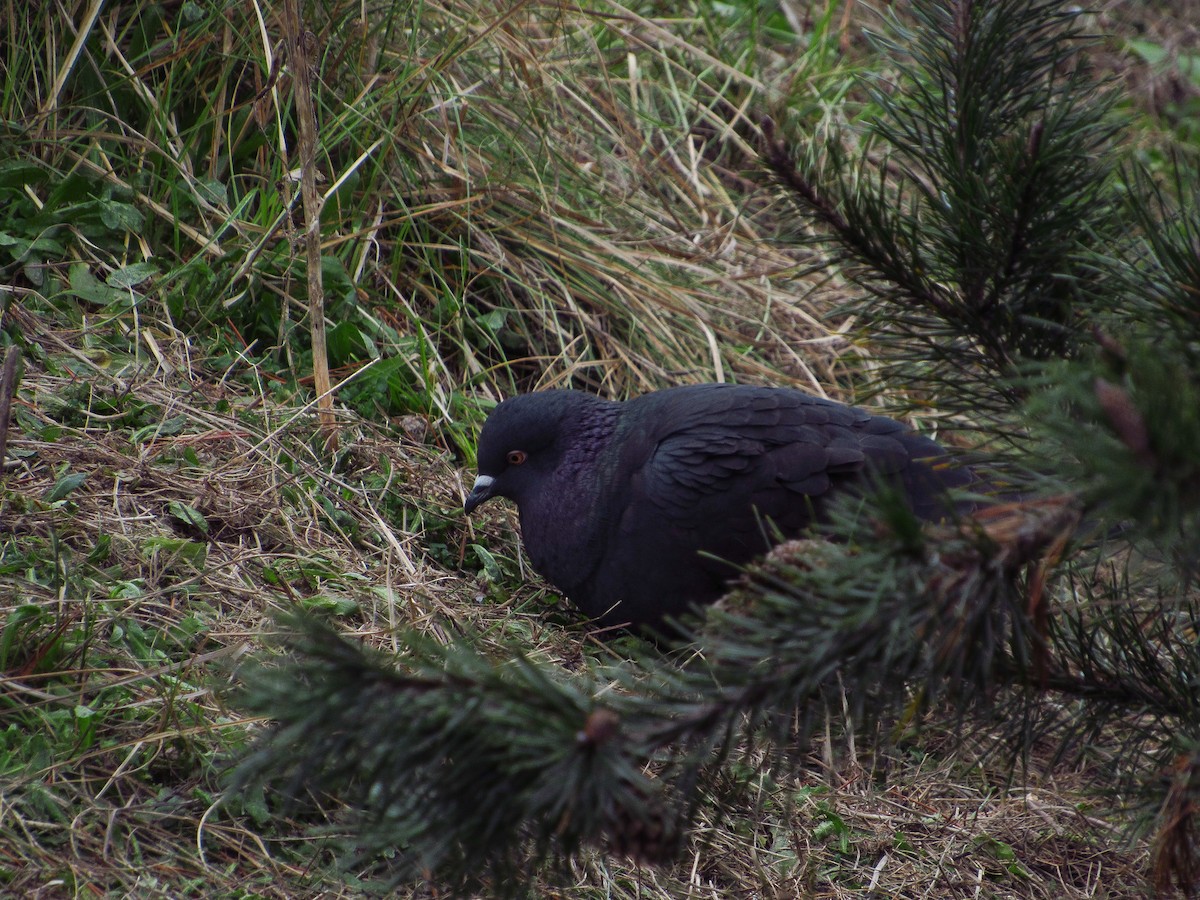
515,457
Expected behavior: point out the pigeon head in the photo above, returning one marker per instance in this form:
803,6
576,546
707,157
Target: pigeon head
526,439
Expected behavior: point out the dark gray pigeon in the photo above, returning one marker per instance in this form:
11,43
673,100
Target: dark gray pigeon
641,510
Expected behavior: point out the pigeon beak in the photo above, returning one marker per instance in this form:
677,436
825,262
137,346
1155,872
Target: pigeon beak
480,491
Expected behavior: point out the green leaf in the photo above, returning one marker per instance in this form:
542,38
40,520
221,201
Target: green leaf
1004,854
189,515
85,725
17,174
65,485
121,216
213,191
173,425
490,566
345,343
254,802
494,320
85,286
131,275
337,279
1148,50
75,188
338,606
126,590
101,549
190,551
20,246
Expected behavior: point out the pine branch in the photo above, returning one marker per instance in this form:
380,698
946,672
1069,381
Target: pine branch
473,769
481,769
862,238
991,187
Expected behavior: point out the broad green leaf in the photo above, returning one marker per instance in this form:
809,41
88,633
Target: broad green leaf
65,484
189,515
121,216
131,275
86,286
173,425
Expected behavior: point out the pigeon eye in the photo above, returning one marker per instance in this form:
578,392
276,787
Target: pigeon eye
515,457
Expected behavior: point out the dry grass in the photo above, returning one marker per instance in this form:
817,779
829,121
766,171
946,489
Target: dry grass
135,811
163,493
922,827
134,803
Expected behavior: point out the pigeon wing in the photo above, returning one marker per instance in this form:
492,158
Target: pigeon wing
775,449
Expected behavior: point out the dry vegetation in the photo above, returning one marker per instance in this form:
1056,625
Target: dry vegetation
532,195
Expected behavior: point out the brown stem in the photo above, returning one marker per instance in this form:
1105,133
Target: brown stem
300,45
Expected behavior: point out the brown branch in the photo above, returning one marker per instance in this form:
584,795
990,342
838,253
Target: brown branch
8,387
300,43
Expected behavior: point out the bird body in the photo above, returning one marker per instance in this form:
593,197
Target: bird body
638,511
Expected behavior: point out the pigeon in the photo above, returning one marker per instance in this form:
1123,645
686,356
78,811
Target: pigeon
644,510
